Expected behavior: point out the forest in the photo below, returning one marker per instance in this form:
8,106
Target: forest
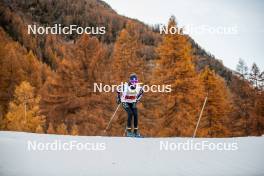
46,81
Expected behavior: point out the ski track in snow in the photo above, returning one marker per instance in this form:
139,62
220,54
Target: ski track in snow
128,156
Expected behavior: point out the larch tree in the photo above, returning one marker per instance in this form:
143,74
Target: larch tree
242,69
62,129
259,108
255,76
246,119
23,113
256,79
126,57
51,129
69,93
16,65
74,130
243,113
216,116
175,67
31,68
39,129
261,81
11,73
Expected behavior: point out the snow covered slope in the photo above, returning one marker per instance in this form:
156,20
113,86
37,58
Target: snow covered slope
127,156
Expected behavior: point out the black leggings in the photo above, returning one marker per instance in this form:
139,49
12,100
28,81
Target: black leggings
131,110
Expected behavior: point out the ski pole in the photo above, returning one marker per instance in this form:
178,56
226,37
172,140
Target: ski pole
111,119
201,113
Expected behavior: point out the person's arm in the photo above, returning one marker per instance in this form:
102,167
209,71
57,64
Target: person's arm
118,98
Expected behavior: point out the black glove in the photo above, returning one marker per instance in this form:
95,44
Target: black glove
118,100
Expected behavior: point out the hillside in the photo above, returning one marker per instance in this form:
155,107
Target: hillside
62,69
96,12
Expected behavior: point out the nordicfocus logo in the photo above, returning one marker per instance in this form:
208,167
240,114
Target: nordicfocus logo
58,145
199,30
190,145
100,87
67,30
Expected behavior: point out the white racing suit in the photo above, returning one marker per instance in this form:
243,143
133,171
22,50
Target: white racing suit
129,95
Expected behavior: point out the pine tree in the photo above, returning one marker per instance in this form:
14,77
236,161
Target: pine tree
215,120
62,129
175,68
23,113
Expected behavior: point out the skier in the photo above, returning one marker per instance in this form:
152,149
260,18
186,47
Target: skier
129,95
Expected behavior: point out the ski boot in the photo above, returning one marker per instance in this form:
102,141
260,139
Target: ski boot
129,132
136,133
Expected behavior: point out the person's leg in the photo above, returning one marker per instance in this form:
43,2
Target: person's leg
129,116
135,114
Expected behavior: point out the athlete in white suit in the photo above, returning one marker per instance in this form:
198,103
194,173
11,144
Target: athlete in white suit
129,95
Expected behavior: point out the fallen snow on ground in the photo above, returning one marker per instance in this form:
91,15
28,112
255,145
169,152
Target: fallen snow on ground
127,156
